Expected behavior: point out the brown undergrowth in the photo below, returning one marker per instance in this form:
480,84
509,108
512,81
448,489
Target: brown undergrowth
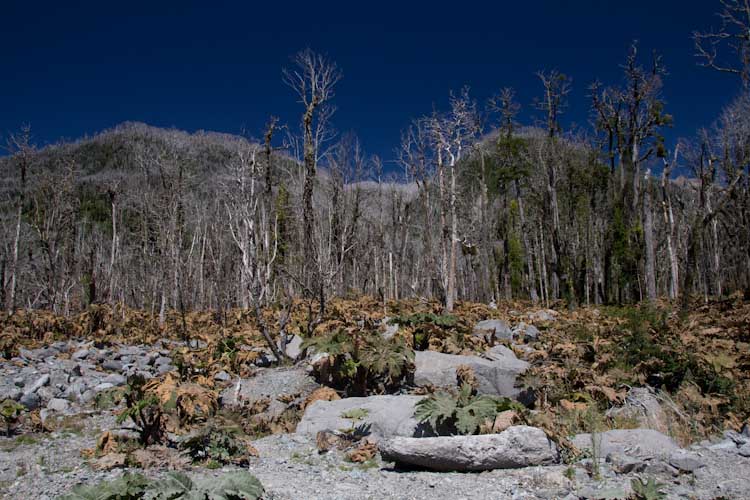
583,362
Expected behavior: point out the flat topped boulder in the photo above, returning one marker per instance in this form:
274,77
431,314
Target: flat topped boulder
277,385
636,443
517,446
496,377
381,416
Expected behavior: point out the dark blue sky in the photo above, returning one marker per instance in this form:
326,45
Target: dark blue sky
76,69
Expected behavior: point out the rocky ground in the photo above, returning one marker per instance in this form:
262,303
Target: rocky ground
67,383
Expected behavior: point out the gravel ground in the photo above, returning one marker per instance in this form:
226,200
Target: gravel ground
45,466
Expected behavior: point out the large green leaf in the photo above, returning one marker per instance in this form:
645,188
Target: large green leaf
471,416
436,409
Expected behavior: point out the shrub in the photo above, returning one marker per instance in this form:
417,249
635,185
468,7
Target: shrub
461,413
362,361
11,412
424,326
221,445
144,410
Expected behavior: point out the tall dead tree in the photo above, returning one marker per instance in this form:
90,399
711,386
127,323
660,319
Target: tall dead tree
452,135
557,86
313,78
20,147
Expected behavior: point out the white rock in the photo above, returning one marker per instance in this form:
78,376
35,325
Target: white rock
637,443
59,405
495,377
518,446
386,416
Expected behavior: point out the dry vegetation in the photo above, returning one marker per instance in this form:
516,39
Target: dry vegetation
582,364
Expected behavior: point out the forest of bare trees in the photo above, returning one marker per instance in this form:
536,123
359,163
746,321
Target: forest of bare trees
477,206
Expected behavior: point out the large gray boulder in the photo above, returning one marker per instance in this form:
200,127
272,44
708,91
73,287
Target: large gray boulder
277,385
495,376
492,330
385,416
517,446
636,443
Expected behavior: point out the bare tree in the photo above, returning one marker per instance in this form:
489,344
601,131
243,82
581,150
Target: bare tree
20,146
557,86
313,78
733,36
452,135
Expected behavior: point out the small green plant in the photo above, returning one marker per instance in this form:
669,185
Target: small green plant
424,326
570,473
214,444
649,490
593,421
213,464
355,413
174,486
461,413
109,398
144,410
11,413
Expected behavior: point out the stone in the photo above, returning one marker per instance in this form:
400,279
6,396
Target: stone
686,461
389,330
273,384
59,405
293,346
129,350
636,443
506,356
80,354
115,379
642,405
495,377
60,346
606,492
162,369
48,392
543,315
744,450
518,446
723,445
222,376
492,330
59,379
624,464
19,381
102,387
386,416
112,365
10,392
31,401
162,360
37,354
738,438
40,382
75,390
525,331
87,396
